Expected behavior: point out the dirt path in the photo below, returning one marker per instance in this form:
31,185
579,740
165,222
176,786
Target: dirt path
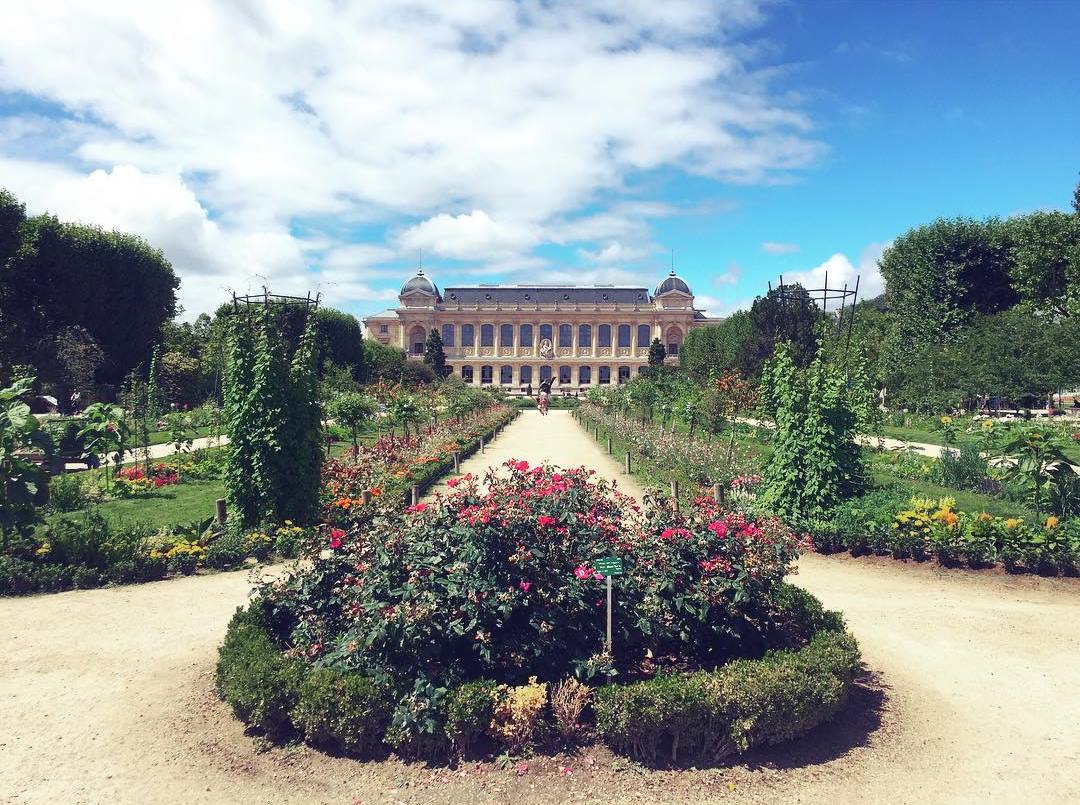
106,697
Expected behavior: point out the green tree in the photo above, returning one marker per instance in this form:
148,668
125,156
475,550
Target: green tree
351,410
708,351
1046,261
787,315
434,354
657,353
339,340
105,431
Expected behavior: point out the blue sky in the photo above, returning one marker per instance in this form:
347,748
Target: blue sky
323,148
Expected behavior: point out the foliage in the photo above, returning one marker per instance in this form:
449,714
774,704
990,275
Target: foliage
517,714
340,711
115,287
434,356
815,462
352,410
274,422
1046,261
569,698
709,715
105,432
714,348
1036,461
657,353
784,315
24,485
339,342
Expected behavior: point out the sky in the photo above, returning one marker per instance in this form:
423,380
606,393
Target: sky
332,146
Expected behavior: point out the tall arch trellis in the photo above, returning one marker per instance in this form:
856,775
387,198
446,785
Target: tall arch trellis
842,299
272,414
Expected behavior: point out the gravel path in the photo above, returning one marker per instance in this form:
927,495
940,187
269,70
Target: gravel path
106,697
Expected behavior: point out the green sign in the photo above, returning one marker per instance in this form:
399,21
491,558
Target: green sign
609,566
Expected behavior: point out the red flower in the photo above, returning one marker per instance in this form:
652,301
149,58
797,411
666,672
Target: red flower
336,536
545,520
521,466
582,572
719,528
418,507
524,585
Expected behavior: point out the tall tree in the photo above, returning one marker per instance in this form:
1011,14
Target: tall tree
711,350
786,314
434,354
1046,261
339,340
656,353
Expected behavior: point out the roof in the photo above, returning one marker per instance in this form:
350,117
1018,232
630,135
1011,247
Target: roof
546,294
420,283
672,283
383,314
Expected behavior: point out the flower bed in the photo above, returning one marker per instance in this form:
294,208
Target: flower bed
923,528
480,617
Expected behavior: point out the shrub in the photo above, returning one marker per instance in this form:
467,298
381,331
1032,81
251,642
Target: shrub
516,719
16,576
569,699
960,469
227,549
708,715
66,493
342,711
469,711
253,677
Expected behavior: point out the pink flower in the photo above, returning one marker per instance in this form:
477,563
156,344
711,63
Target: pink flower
521,466
596,574
453,482
521,768
336,536
524,585
582,572
418,507
545,520
719,528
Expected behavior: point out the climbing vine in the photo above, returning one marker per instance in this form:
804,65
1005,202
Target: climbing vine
273,421
816,461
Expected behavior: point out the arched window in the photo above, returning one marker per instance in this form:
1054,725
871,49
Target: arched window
506,335
468,337
448,335
485,375
487,335
584,375
416,340
673,340
624,335
466,374
644,335
584,335
526,335
605,375
566,335
603,335
624,374
545,373
506,375
526,375
545,332
566,376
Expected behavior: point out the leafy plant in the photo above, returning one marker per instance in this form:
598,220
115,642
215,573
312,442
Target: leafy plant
24,484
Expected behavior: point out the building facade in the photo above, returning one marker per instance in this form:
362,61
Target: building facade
520,335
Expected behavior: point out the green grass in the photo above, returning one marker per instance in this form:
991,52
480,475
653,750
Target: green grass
162,436
171,505
965,500
1072,452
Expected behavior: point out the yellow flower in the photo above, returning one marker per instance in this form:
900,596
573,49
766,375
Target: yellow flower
1012,523
946,420
988,425
44,549
1052,522
984,517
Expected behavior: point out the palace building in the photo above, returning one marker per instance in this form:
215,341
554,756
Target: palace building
517,336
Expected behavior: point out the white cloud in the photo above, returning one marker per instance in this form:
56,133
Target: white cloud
615,252
771,247
840,271
478,129
729,277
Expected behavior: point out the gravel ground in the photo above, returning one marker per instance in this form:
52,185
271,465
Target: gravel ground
970,696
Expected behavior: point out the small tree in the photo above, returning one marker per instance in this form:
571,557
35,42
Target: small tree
351,410
434,355
656,353
406,410
106,431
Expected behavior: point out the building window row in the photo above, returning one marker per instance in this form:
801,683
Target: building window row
565,335
565,375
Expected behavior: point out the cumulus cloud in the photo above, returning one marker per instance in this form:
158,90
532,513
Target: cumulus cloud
479,130
841,271
729,277
771,247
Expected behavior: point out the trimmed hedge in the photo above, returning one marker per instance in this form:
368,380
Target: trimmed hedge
709,715
700,716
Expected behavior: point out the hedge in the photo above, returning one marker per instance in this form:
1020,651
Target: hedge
699,716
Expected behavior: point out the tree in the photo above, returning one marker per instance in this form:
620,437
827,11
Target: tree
383,362
339,340
181,378
434,355
1046,261
113,285
657,353
24,485
1076,199
786,314
351,410
78,357
12,215
708,351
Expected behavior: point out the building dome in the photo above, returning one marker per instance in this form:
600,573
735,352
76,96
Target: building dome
671,283
420,283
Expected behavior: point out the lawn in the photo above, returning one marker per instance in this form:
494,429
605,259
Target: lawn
917,434
171,505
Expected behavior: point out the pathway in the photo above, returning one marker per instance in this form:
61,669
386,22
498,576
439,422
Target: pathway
161,451
106,697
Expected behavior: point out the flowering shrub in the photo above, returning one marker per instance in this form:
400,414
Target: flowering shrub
134,480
